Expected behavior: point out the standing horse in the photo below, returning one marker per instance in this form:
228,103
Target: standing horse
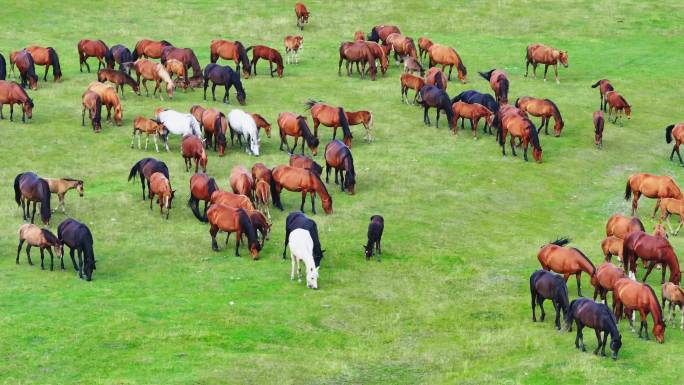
543,108
215,127
241,181
78,237
156,72
498,81
598,128
242,124
184,55
175,67
267,53
669,206
361,117
612,245
110,99
261,122
675,295
3,68
472,96
298,179
296,126
301,249
12,93
604,86
28,187
303,161
178,123
651,249
119,54
433,96
329,116
62,186
547,285
192,148
231,50
413,82
339,157
447,56
262,196
432,75
565,260
359,53
33,235
150,127
47,57
374,235
92,48
292,46
473,112
145,168
202,187
538,53
297,220
146,48
379,53
511,121
402,46
27,69
161,187
231,219
119,78
598,317
617,105
302,15
651,186
223,75
424,45
621,226
604,280
93,103
379,33
631,295
675,131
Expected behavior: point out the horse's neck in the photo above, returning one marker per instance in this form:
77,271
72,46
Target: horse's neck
319,187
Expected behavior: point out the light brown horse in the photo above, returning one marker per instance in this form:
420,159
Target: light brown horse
565,260
499,83
380,54
329,116
192,148
544,108
27,69
604,86
604,280
233,220
92,102
271,55
621,225
142,125
302,180
669,206
598,128
409,81
302,15
161,187
262,196
612,245
540,54
675,295
92,48
292,46
361,117
433,74
675,131
46,56
11,93
62,186
651,249
146,48
231,50
359,36
447,56
110,99
473,112
630,295
360,54
230,199
119,78
176,67
296,126
261,122
651,186
241,181
519,126
617,105
156,72
202,187
424,45
402,46
44,239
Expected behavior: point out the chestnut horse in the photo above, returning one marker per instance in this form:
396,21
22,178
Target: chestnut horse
675,131
202,187
156,72
29,187
433,96
183,55
565,260
299,179
359,53
262,196
651,186
630,295
119,78
292,46
215,127
176,67
498,81
146,48
241,181
544,108
192,148
93,103
617,105
669,206
47,57
339,157
44,239
380,54
621,225
379,33
604,280
296,126
27,69
431,78
230,199
233,220
447,56
302,15
612,245
303,161
402,46
359,36
231,50
538,53
413,82
675,295
329,116
260,171
150,127
267,53
92,48
604,86
651,249
361,117
474,112
161,187
424,45
145,168
12,93
510,120
598,128
110,99
261,122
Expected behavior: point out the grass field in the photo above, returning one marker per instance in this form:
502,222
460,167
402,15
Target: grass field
449,303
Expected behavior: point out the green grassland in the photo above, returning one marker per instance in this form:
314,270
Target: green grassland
449,303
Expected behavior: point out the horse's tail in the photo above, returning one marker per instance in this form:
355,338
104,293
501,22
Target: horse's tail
309,104
54,59
17,190
517,103
628,190
499,130
596,84
274,193
345,124
668,133
486,75
249,48
135,170
560,241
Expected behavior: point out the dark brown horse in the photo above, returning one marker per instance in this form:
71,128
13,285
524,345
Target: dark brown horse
231,50
565,260
329,116
651,186
296,126
654,250
93,103
146,48
46,56
29,187
225,76
233,220
604,86
12,93
267,53
361,117
119,78
183,55
598,129
302,15
92,48
339,157
498,81
433,96
27,69
299,180
540,54
119,54
201,189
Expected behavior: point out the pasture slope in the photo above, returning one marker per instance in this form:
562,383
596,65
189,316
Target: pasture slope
449,303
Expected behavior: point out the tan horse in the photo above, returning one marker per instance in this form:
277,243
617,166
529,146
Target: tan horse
544,108
402,46
651,186
566,261
47,57
617,105
515,123
230,199
538,53
33,235
292,46
241,181
630,295
161,187
612,245
142,125
110,99
156,72
621,225
424,45
675,295
92,102
176,67
231,50
192,148
675,131
409,81
147,48
330,116
296,126
604,279
669,206
473,112
62,186
447,56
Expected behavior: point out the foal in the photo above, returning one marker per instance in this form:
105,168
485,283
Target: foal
161,187
62,186
143,125
42,238
375,229
675,295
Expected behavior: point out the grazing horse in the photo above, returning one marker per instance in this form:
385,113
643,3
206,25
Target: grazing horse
474,112
243,125
161,187
3,68
232,219
241,181
339,157
432,75
260,223
675,131
379,53
361,117
77,237
231,50
223,75
297,220
424,45
262,196
538,53
651,249
598,128
192,148
267,53
119,78
119,54
447,56
110,99
202,187
215,127
547,285
631,295
176,67
156,72
146,48
302,15
565,260
669,206
379,33
597,316
472,96
359,53
617,105
604,280
675,295
299,179
412,65
433,96
375,229
47,57
145,168
142,125
29,187
260,171
413,82
178,123
12,93
402,46
621,225
604,86
261,122
33,235
27,69
543,108
329,116
92,48
303,161
183,55
62,186
498,81
296,126
233,200
292,46
612,245
93,103
301,249
511,121
651,186
359,36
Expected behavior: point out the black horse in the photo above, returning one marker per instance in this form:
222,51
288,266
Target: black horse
375,229
547,285
226,76
145,168
597,316
472,96
297,220
3,68
29,187
119,54
433,96
77,237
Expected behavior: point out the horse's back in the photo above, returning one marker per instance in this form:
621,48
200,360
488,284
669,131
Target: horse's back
301,244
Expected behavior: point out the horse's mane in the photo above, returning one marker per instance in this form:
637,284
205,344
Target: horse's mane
655,299
165,43
460,64
242,53
104,44
623,100
585,257
235,77
247,227
49,236
311,140
350,171
310,103
534,135
438,83
323,187
556,111
72,180
31,71
211,186
345,124
560,242
23,92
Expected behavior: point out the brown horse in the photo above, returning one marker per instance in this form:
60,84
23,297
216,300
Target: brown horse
675,295
431,78
612,245
156,72
261,122
675,131
119,78
380,54
192,148
329,116
630,295
424,45
413,82
27,69
339,157
565,260
292,47
260,222
92,48
302,15
359,36
11,93
296,126
46,56
651,186
402,46
231,50
202,187
262,196
447,56
241,181
652,249
232,220
161,187
146,48
176,67
511,121
215,127
110,99
260,171
62,186
669,206
303,161
230,199
299,179
361,117
142,125
379,33
267,53
538,53
544,108
621,225
359,53
598,128
29,187
184,55
617,105
604,86
93,103
499,83
604,280
473,112
34,236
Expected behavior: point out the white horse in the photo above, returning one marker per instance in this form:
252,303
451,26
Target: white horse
301,249
178,123
242,123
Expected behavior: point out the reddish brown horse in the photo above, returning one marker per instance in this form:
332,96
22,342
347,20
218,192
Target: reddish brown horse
651,249
410,81
231,50
161,187
47,57
423,45
267,53
155,72
447,56
379,33
185,56
675,131
651,186
630,295
230,199
540,54
598,128
359,53
402,46
544,108
617,105
260,171
329,116
359,36
621,225
380,54
202,187
303,161
92,48
146,48
11,93
604,280
261,122
296,126
110,99
29,187
473,112
565,260
339,157
432,76
192,148
27,69
604,86
299,179
215,127
93,103
302,15
241,181
498,81
260,222
233,220
361,117
511,121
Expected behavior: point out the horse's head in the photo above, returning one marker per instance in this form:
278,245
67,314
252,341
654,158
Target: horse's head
254,145
162,131
628,111
242,97
558,127
312,277
327,205
254,248
27,107
373,36
368,251
79,188
136,88
349,183
221,143
170,87
659,332
118,114
59,249
267,128
537,154
615,346
563,57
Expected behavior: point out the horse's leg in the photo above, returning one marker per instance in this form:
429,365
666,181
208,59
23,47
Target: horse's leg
334,132
635,200
42,258
33,214
28,254
555,69
546,69
678,154
527,66
339,67
238,238
46,72
557,308
526,143
598,339
655,210
270,67
513,145
313,202
52,259
664,268
579,284
73,260
213,91
451,68
225,95
85,61
579,339
11,111
327,173
437,122
426,118
144,83
61,202
292,269
80,263
21,243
